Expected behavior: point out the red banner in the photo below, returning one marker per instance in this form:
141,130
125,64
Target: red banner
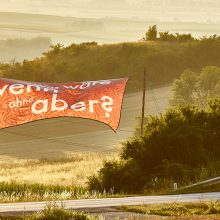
22,102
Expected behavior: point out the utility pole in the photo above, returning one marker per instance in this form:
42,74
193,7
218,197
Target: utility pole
143,102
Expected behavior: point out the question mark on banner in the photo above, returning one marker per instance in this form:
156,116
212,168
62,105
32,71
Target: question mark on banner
107,105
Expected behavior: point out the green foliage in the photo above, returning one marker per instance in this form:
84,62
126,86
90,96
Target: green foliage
176,147
169,37
196,88
151,33
114,175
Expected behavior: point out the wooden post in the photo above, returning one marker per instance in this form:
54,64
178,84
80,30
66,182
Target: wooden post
143,102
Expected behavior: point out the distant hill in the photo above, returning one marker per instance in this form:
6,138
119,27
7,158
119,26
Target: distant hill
67,30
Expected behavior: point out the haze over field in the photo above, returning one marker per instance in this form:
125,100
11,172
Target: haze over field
103,21
165,10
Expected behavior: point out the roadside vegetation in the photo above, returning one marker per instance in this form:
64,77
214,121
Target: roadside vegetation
174,211
24,192
53,213
180,146
178,209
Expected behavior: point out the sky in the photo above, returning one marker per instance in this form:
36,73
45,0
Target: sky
163,10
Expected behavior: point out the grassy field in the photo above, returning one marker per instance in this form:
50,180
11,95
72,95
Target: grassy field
44,179
72,170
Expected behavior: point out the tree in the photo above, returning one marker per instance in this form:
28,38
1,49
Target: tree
166,36
184,89
151,33
196,88
55,49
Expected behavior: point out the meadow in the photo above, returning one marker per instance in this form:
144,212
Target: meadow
50,179
72,170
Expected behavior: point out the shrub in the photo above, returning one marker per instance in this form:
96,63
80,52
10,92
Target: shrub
176,146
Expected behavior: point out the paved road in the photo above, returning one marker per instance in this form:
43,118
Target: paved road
108,202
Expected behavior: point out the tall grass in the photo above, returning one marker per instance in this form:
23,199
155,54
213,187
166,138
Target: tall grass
54,179
68,171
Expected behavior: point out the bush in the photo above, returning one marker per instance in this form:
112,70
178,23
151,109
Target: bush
176,147
116,174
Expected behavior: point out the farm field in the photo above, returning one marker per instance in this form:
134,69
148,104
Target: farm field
58,138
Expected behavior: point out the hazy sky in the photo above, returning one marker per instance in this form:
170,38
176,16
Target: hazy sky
164,10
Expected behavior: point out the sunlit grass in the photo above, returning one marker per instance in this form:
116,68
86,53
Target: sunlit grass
177,209
72,170
51,179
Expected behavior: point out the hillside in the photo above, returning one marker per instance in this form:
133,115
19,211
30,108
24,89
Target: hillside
164,61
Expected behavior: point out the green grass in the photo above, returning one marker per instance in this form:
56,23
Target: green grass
177,209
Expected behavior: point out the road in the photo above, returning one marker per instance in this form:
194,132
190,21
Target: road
58,137
107,202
